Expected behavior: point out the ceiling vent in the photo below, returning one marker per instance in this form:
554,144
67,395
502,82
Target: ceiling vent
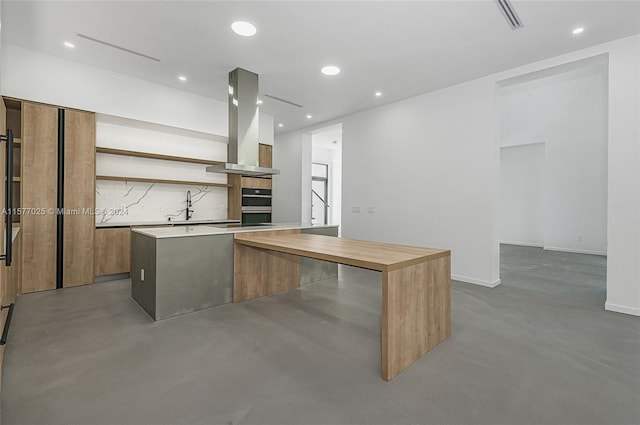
115,46
509,13
279,99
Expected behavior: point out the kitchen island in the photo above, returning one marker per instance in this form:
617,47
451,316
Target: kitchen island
182,269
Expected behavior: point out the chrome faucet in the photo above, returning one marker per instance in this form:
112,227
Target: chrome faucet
189,210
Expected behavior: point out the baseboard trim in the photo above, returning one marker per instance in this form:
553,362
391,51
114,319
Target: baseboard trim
484,283
110,277
534,245
622,309
575,251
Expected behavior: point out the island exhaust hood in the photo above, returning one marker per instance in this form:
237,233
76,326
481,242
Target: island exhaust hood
244,112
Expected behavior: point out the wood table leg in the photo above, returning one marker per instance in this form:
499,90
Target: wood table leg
416,313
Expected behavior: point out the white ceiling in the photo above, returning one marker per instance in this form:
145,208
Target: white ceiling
400,48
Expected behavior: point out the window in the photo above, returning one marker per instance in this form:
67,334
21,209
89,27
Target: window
319,193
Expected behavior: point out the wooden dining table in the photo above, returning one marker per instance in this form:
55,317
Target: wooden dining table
416,284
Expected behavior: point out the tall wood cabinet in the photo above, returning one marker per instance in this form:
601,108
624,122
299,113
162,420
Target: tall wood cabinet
79,197
39,196
57,176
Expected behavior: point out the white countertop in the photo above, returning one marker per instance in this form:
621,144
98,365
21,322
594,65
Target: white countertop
209,230
163,223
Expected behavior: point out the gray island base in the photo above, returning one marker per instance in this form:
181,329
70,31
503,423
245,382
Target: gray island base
185,269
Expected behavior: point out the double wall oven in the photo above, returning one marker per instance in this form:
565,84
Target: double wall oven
256,206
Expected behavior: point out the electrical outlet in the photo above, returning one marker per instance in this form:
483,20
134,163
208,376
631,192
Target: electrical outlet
222,207
160,207
142,275
579,238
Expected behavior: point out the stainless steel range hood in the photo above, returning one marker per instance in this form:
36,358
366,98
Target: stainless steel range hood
244,112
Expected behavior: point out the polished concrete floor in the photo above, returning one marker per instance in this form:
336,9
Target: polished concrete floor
539,349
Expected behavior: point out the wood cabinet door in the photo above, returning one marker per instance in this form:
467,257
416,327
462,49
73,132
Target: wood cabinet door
79,197
256,183
234,197
113,251
265,157
39,193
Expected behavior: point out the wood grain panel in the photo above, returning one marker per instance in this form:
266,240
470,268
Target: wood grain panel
416,313
256,183
14,118
39,191
366,254
79,197
234,197
259,272
164,181
265,156
112,254
150,155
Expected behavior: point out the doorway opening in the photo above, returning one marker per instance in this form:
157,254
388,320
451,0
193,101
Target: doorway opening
319,193
326,175
553,179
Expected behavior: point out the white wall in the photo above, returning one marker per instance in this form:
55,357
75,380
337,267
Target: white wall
417,176
623,229
568,111
446,157
425,167
266,130
292,156
522,194
420,172
1,46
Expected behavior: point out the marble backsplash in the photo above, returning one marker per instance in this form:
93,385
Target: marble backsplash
122,202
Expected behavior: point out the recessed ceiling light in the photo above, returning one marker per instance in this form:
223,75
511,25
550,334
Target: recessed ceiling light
244,28
69,44
330,70
280,125
378,93
182,78
259,101
309,117
578,30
